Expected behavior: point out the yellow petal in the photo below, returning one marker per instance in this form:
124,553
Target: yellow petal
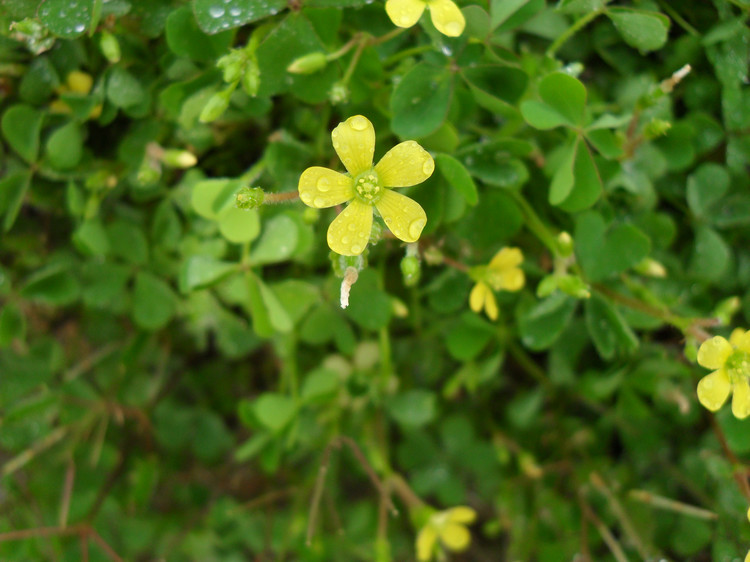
321,188
426,542
506,259
405,164
404,13
354,142
736,336
447,18
741,398
455,537
462,514
713,390
512,280
490,305
350,231
477,296
714,352
747,556
403,216
741,341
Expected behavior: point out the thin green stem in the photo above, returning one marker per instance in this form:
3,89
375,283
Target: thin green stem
386,367
355,60
535,224
406,53
572,30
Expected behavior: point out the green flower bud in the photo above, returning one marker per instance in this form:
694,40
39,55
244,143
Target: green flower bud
308,64
411,270
546,286
216,106
726,309
573,286
310,215
656,128
176,158
110,47
250,198
251,78
148,174
339,93
232,65
651,268
565,244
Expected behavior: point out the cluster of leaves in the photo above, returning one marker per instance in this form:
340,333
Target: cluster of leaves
174,368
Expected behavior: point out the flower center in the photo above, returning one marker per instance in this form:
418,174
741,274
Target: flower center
738,364
367,187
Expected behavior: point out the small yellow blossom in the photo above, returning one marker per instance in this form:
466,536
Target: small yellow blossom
502,273
446,16
450,527
731,363
366,187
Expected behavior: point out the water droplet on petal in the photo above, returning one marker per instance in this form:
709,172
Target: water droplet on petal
324,184
306,197
415,228
345,239
352,226
358,123
356,249
319,202
454,28
428,167
216,11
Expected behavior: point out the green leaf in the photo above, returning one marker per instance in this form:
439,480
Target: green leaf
369,306
278,242
541,323
495,162
706,186
564,178
186,39
587,186
414,408
458,177
128,241
21,125
199,272
91,238
274,411
123,89
211,198
153,302
466,339
646,31
496,87
297,297
268,314
608,329
711,255
320,383
104,284
219,15
420,101
239,225
604,251
12,324
501,10
252,446
563,102
53,285
65,146
66,18
13,190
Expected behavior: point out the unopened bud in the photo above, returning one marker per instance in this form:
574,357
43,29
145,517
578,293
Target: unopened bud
110,47
726,309
411,270
565,244
546,286
250,198
308,64
573,286
79,82
177,158
339,93
149,173
232,65
529,466
251,78
656,128
398,308
651,268
216,106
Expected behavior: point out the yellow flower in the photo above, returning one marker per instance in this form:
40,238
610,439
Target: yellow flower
366,186
731,361
446,16
502,273
450,527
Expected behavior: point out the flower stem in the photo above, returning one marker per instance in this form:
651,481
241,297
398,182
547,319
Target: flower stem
285,197
535,224
572,30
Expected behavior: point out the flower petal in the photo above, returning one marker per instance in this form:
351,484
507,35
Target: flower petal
736,336
403,216
447,18
350,231
713,390
321,187
405,164
354,142
477,296
404,13
714,352
741,397
426,542
512,280
741,341
506,258
462,514
455,537
490,305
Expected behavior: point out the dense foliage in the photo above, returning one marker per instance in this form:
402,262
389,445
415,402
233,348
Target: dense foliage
515,374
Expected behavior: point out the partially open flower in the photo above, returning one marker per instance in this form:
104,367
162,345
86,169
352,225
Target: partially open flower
502,273
731,361
366,187
446,16
445,529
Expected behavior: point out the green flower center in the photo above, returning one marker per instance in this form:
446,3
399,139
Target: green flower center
367,187
738,364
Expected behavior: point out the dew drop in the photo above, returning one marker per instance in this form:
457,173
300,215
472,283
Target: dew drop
352,226
306,197
235,11
454,28
415,228
319,202
216,11
428,167
356,249
345,239
358,123
79,28
324,184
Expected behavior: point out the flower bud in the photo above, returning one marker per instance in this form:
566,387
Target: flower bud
232,65
573,286
546,286
308,64
79,82
651,268
251,78
726,309
339,93
176,158
411,270
110,47
565,244
656,128
149,173
249,198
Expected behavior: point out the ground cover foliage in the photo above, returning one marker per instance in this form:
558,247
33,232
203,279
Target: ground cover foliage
178,378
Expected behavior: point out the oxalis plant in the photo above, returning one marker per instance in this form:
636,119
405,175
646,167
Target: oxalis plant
337,280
